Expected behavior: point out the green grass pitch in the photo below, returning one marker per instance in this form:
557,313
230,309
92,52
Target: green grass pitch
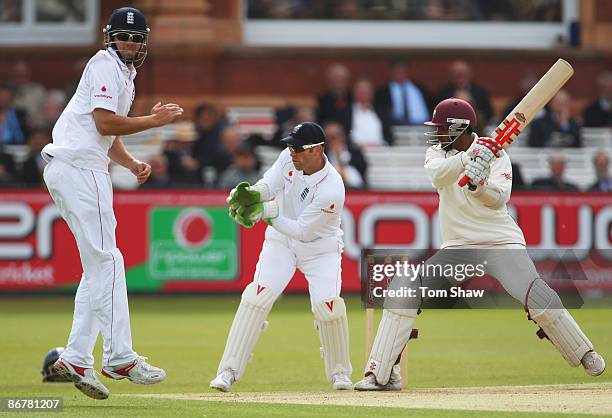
186,336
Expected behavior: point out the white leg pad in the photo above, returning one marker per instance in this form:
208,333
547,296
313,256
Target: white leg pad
249,321
332,325
546,309
391,338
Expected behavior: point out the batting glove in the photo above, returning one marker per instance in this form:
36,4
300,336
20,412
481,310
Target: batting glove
478,172
484,149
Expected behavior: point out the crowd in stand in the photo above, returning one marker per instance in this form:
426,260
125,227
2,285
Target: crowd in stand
211,150
471,10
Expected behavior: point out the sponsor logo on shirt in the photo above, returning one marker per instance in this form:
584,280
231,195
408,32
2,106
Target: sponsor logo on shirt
507,176
102,96
329,209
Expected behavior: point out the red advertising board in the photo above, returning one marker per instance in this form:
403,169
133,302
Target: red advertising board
182,241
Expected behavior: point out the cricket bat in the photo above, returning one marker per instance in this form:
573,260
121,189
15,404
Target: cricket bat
531,104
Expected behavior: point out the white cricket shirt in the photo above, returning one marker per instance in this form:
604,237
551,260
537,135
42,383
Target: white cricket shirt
310,205
464,219
106,83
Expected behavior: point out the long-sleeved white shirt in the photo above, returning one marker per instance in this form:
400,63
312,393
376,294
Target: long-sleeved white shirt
310,205
468,218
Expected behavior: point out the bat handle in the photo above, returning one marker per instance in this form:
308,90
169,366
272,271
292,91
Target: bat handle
463,181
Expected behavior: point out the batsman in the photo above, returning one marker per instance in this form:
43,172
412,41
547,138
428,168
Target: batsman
301,199
474,220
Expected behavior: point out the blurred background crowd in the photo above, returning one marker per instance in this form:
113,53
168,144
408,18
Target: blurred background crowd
372,127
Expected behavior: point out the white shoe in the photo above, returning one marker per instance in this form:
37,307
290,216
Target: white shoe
85,380
224,381
369,383
341,381
138,371
593,363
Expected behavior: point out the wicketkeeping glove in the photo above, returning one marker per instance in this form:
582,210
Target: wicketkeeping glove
478,172
239,219
243,195
255,213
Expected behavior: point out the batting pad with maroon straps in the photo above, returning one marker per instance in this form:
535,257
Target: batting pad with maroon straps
332,326
546,309
249,321
393,333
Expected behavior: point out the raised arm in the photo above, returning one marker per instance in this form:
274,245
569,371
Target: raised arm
109,123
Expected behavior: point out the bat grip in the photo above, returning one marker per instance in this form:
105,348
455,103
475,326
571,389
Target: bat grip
463,181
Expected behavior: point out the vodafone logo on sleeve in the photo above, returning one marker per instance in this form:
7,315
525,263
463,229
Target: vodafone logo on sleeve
103,95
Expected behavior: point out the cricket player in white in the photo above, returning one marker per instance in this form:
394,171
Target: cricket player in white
476,217
85,139
301,198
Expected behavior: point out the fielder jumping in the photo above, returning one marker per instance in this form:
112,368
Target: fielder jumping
476,218
301,198
85,139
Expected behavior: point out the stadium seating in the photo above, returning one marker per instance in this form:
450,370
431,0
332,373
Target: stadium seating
389,168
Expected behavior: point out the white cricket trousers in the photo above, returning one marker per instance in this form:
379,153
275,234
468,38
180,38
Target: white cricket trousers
320,261
85,200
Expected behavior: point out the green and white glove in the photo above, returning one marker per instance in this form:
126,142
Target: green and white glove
252,214
239,219
243,195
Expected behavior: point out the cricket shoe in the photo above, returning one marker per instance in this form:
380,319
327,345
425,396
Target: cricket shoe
369,383
224,381
137,371
84,379
593,363
341,381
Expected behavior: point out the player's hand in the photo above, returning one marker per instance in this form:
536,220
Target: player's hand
478,172
239,219
258,211
242,195
141,170
165,114
485,149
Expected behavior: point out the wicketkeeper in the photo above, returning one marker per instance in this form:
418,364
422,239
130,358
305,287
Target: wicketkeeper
300,198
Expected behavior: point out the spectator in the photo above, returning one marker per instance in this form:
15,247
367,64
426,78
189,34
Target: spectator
601,162
33,166
367,127
183,169
29,96
54,104
78,67
556,128
525,84
244,168
401,101
7,169
11,119
230,141
299,115
555,182
599,112
345,157
335,104
462,87
207,147
159,178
